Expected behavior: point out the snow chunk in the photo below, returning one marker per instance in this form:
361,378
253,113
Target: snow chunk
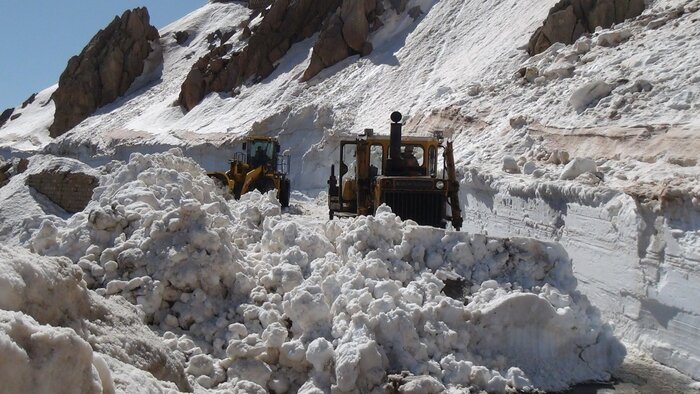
588,94
577,167
34,358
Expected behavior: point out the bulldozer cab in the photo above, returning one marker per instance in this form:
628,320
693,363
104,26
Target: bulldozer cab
413,175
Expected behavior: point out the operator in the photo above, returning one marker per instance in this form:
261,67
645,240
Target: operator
260,158
409,160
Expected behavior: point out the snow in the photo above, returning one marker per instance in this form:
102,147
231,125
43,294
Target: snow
239,288
249,297
30,130
49,320
35,357
21,203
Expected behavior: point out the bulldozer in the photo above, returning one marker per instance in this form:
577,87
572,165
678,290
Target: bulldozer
261,166
402,172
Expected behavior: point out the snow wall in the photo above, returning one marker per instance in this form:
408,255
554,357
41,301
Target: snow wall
636,255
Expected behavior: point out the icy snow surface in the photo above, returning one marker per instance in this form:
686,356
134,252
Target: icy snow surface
253,297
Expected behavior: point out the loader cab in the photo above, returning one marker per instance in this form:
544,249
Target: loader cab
411,175
261,151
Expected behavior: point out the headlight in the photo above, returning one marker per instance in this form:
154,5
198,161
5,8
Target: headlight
439,185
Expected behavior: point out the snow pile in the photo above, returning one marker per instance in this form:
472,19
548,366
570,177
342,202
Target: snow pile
35,356
50,320
156,208
258,301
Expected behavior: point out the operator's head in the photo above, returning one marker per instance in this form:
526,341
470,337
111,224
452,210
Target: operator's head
408,149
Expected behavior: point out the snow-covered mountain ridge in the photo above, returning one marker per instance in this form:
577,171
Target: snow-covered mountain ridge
625,97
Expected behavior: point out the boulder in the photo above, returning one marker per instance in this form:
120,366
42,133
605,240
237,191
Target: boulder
329,49
568,20
603,14
21,165
613,38
10,168
104,70
558,157
72,191
510,165
559,26
529,168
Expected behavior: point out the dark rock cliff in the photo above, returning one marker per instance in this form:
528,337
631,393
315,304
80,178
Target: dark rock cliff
104,70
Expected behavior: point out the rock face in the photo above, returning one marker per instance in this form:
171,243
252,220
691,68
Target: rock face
5,116
283,24
259,4
344,34
71,191
344,26
11,168
570,19
104,70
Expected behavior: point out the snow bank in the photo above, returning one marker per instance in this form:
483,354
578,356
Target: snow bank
635,252
266,301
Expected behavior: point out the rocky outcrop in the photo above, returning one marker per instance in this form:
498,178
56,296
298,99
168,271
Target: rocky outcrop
5,116
344,34
71,191
570,19
181,37
4,176
104,70
29,100
344,27
10,168
283,24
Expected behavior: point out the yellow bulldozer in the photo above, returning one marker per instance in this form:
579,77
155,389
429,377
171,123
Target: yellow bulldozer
403,173
261,166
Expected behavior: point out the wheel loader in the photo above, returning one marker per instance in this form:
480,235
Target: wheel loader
415,176
261,167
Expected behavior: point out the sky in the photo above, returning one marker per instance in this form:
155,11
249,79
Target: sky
38,37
